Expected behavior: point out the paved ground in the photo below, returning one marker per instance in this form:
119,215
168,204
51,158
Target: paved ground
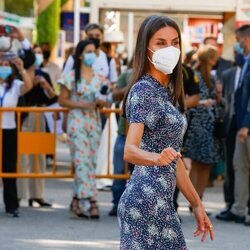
39,229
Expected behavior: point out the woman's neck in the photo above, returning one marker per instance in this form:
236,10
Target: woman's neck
1,81
160,77
86,69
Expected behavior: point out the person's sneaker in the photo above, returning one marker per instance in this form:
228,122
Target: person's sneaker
113,211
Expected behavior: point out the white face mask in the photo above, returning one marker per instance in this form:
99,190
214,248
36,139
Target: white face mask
5,43
165,59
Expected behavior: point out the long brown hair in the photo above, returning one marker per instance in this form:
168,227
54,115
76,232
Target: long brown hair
205,53
141,64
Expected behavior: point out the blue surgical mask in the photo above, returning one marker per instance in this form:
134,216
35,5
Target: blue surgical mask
89,58
5,72
39,59
238,49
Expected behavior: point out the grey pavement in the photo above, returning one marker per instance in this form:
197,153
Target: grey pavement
40,228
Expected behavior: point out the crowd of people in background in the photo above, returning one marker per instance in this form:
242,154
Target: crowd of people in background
217,106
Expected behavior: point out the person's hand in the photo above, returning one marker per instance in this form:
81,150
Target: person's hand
242,134
43,83
19,64
88,105
15,33
207,103
204,225
102,103
167,156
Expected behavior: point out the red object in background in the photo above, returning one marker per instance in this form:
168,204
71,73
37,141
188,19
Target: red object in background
5,30
202,28
240,23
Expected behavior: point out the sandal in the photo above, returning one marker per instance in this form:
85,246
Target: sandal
75,211
94,210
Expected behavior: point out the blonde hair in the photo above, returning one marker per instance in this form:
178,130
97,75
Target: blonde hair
204,53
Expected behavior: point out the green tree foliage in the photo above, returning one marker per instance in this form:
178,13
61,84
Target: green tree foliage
20,7
48,23
63,2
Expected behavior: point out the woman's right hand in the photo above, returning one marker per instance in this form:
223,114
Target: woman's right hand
167,156
204,225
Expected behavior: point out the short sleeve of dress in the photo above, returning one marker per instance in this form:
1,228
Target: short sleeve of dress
140,105
67,80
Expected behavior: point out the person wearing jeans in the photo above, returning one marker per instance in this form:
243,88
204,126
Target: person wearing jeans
118,186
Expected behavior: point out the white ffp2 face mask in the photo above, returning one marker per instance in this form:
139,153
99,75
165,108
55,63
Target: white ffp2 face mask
165,59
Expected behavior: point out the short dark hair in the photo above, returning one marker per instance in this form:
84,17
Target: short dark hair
93,26
244,30
209,38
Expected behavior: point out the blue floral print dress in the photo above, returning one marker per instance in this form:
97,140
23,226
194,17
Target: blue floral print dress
148,220
84,131
200,144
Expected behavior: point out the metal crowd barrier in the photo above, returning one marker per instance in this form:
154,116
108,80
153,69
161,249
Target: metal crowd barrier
41,143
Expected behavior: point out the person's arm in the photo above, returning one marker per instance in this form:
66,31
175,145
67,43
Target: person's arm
65,101
137,156
204,225
27,83
48,89
192,101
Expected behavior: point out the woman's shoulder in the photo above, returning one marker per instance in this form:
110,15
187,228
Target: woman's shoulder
143,85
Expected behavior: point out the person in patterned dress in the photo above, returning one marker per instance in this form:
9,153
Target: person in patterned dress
79,89
201,145
154,108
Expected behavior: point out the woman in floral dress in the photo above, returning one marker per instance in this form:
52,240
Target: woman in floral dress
154,108
79,89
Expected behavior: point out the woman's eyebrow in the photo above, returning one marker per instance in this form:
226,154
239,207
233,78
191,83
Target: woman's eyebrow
162,39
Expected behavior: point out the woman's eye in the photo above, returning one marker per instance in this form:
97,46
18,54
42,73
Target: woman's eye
176,43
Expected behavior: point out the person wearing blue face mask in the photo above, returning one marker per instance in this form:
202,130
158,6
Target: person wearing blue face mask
79,89
230,80
241,155
10,90
41,95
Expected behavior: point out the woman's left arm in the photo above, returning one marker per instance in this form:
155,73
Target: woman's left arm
204,225
27,83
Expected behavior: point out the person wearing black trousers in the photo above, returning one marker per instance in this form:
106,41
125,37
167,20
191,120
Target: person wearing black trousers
10,90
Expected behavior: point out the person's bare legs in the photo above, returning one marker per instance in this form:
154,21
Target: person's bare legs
199,176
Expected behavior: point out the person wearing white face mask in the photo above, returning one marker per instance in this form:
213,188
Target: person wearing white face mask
154,107
79,90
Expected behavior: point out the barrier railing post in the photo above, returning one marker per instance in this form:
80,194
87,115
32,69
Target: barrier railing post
18,167
38,142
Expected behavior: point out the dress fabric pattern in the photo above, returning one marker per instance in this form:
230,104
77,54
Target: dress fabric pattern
200,144
84,131
146,212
